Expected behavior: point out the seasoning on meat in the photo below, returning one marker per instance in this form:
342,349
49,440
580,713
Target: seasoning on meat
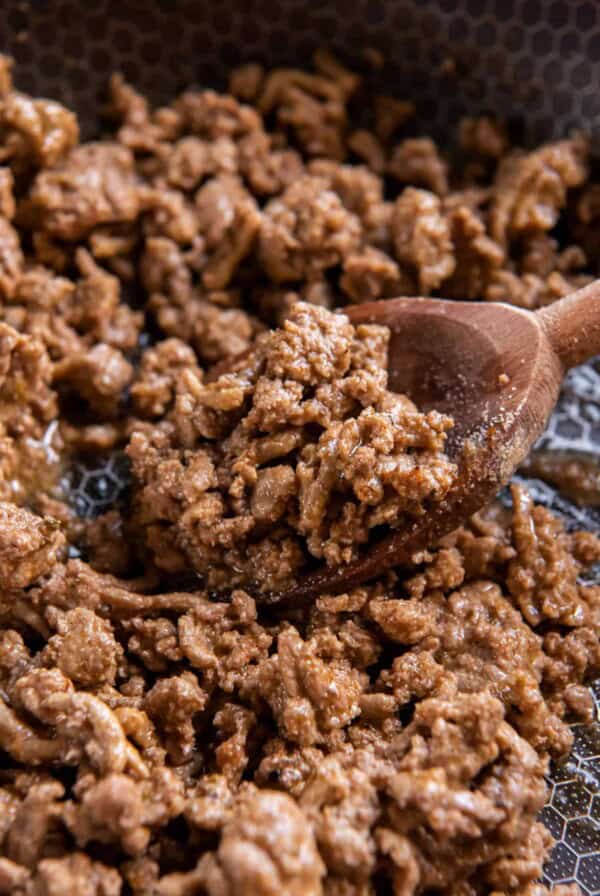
299,450
175,292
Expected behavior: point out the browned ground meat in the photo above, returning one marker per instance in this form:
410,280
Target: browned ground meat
299,449
161,739
341,787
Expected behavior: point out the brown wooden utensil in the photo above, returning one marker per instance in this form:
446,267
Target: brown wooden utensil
496,369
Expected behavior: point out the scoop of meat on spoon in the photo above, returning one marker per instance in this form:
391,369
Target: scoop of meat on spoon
496,370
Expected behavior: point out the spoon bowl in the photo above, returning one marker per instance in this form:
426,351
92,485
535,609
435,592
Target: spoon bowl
453,357
496,370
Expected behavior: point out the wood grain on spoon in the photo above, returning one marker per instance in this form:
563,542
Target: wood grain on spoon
496,370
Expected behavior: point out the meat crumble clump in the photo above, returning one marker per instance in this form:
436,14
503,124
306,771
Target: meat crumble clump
299,450
174,293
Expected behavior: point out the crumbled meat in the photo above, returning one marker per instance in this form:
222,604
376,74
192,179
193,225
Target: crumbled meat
193,159
266,848
341,800
84,648
311,106
429,797
215,333
29,546
306,231
98,376
371,275
98,310
95,184
530,190
477,257
374,461
26,401
541,256
267,170
34,132
11,259
168,213
543,577
71,317
172,704
309,696
161,369
528,291
75,873
154,641
211,115
13,877
417,162
225,642
229,221
162,732
28,409
361,193
198,318
8,204
477,637
120,809
36,823
423,238
137,130
383,797
164,271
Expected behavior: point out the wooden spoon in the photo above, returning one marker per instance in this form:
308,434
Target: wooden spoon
496,370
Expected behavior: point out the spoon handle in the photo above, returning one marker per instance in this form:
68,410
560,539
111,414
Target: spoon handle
572,325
